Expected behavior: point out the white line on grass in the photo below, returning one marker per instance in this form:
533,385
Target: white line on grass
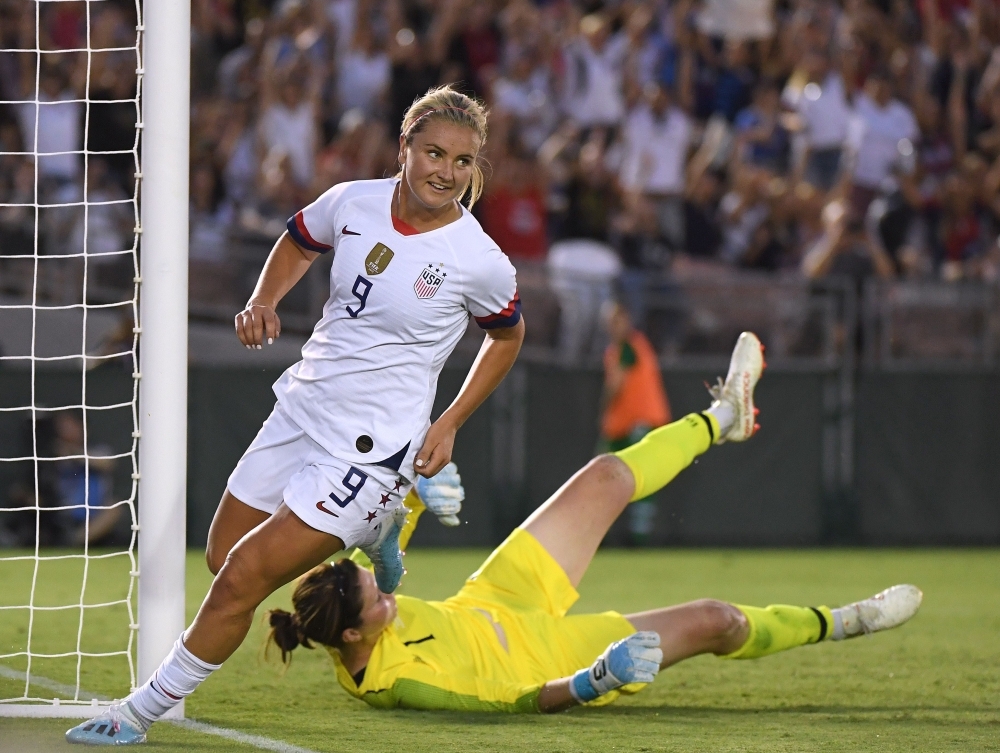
257,741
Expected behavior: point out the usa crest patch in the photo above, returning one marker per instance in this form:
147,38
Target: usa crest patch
429,281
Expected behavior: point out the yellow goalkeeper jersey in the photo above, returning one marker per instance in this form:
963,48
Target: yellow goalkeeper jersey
447,654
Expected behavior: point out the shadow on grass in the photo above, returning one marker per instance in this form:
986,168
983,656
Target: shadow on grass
666,712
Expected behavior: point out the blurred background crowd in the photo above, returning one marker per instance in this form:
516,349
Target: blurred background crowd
634,144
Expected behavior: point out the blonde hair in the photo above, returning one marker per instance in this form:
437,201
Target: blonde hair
450,105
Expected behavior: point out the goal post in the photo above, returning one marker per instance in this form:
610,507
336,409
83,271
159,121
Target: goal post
164,331
46,664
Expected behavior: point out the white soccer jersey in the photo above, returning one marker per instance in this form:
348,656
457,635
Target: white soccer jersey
398,305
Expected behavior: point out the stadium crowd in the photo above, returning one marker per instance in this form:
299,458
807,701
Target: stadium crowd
630,139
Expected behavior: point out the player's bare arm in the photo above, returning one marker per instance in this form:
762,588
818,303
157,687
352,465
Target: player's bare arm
499,351
287,263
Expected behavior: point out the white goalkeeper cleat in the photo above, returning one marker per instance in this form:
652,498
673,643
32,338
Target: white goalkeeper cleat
116,726
736,393
888,609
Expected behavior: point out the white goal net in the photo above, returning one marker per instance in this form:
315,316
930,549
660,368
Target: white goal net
70,118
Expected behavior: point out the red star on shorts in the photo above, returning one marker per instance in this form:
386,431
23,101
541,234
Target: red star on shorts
399,484
370,517
385,498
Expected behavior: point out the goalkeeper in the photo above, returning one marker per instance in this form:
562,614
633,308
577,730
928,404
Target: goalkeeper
505,642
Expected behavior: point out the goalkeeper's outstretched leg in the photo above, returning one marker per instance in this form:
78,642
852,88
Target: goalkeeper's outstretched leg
574,521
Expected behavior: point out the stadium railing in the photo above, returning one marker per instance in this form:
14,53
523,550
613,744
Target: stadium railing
921,325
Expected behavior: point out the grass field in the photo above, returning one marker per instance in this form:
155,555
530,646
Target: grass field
933,685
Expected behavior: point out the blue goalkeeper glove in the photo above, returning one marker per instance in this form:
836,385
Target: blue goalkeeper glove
633,659
442,494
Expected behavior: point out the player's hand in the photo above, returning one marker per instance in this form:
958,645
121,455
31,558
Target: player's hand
256,324
633,659
436,452
443,494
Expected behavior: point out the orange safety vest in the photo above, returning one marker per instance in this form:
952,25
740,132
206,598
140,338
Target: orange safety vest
641,401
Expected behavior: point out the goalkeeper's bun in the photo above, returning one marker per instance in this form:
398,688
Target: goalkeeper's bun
327,601
284,632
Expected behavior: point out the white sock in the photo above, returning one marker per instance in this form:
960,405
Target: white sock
846,623
175,679
724,414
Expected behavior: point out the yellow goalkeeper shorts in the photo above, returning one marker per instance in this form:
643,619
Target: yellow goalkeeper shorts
528,593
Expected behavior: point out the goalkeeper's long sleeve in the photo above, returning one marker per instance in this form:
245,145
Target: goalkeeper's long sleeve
419,686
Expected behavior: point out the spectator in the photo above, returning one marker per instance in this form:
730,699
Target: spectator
846,250
657,135
289,122
582,273
762,139
634,402
364,73
474,52
817,95
513,208
734,81
238,70
417,47
878,130
215,31
593,88
525,95
238,156
53,131
73,478
112,119
592,197
211,271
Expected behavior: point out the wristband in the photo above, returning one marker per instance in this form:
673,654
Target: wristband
581,688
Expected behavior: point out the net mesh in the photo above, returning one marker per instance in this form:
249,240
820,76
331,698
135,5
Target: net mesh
69,284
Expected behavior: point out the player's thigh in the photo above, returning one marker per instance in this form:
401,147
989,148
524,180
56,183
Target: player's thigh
232,521
571,524
280,549
256,486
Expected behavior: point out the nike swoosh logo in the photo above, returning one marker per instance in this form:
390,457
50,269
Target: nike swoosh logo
345,231
321,508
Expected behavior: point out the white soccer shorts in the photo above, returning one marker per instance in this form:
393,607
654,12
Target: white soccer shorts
344,499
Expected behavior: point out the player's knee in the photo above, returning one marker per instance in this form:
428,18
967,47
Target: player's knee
237,586
609,469
213,559
721,621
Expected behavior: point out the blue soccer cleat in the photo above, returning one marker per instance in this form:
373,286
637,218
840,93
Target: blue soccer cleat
114,727
384,553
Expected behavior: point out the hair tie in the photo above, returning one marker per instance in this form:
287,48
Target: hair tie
339,574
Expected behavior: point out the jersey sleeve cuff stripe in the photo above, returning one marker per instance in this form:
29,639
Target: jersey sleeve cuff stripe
297,229
509,316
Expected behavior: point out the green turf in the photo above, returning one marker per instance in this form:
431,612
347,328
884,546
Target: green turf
932,685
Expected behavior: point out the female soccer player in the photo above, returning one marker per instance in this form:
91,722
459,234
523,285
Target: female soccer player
351,430
504,642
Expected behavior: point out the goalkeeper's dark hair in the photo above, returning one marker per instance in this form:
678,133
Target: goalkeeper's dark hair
327,601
